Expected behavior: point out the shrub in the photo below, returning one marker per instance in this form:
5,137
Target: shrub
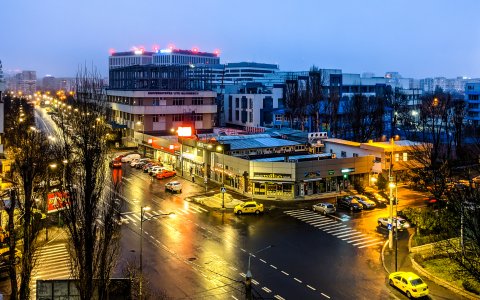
469,286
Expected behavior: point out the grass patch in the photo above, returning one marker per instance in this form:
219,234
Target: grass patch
451,272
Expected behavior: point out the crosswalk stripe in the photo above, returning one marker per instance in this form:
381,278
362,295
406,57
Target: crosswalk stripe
323,222
131,219
351,235
360,239
137,217
337,229
372,244
364,242
342,231
195,209
327,226
306,218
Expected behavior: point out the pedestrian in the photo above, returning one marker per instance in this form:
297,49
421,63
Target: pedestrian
193,178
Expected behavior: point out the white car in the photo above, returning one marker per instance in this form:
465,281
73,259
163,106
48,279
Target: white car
130,157
155,170
134,162
324,208
400,222
173,186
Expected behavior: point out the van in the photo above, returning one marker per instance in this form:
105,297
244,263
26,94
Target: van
130,157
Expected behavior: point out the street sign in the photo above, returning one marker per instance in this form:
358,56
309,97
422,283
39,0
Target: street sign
223,190
389,226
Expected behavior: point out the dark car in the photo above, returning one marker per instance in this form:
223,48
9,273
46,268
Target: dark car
349,203
435,203
378,199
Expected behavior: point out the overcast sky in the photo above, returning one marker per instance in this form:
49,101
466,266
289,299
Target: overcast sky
417,38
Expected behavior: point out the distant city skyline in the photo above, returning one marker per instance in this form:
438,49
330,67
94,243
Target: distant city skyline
417,39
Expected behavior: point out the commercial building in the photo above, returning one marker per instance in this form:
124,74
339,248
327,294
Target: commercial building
24,82
147,101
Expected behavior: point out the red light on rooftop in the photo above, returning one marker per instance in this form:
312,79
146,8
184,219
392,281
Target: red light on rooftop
111,51
171,46
217,52
195,49
155,48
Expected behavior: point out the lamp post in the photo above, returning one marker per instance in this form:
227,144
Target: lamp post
222,148
143,219
248,276
391,185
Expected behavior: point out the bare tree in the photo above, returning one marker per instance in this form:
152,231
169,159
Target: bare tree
29,150
362,115
315,94
92,212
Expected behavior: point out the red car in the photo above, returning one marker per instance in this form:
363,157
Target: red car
166,174
115,163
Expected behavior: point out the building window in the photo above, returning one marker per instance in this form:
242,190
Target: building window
177,118
156,102
344,154
405,156
355,155
237,115
197,101
237,103
155,118
197,117
250,117
251,104
178,101
472,97
278,118
397,156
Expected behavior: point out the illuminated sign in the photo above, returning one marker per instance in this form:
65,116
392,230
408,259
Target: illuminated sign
331,172
272,175
166,51
184,131
150,141
348,170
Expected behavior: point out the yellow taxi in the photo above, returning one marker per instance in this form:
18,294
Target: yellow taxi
409,283
248,207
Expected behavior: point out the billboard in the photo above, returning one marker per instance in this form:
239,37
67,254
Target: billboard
184,131
57,201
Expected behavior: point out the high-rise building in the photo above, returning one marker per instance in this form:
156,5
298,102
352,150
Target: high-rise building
25,82
49,83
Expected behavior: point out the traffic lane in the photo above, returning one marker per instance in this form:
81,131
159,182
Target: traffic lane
165,271
315,254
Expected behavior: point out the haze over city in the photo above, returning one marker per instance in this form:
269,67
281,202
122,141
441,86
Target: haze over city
415,38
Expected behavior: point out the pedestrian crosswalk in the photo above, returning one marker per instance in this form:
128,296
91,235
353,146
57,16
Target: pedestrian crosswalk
335,228
127,218
52,262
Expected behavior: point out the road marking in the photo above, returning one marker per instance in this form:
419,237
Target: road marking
338,228
278,297
137,217
364,242
273,267
322,222
325,295
234,297
263,261
242,274
233,268
373,244
340,219
243,250
360,239
352,234
252,255
296,279
266,289
311,287
323,227
255,282
307,218
285,273
343,232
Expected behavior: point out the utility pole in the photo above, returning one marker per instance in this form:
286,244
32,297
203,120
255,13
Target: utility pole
390,185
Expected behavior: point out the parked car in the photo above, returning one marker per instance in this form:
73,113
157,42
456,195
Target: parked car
409,283
134,162
248,207
435,203
349,203
165,174
140,164
324,208
155,170
147,166
401,223
365,202
130,157
378,199
150,167
173,186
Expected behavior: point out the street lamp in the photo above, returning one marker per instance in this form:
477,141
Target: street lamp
50,166
248,276
221,148
143,219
